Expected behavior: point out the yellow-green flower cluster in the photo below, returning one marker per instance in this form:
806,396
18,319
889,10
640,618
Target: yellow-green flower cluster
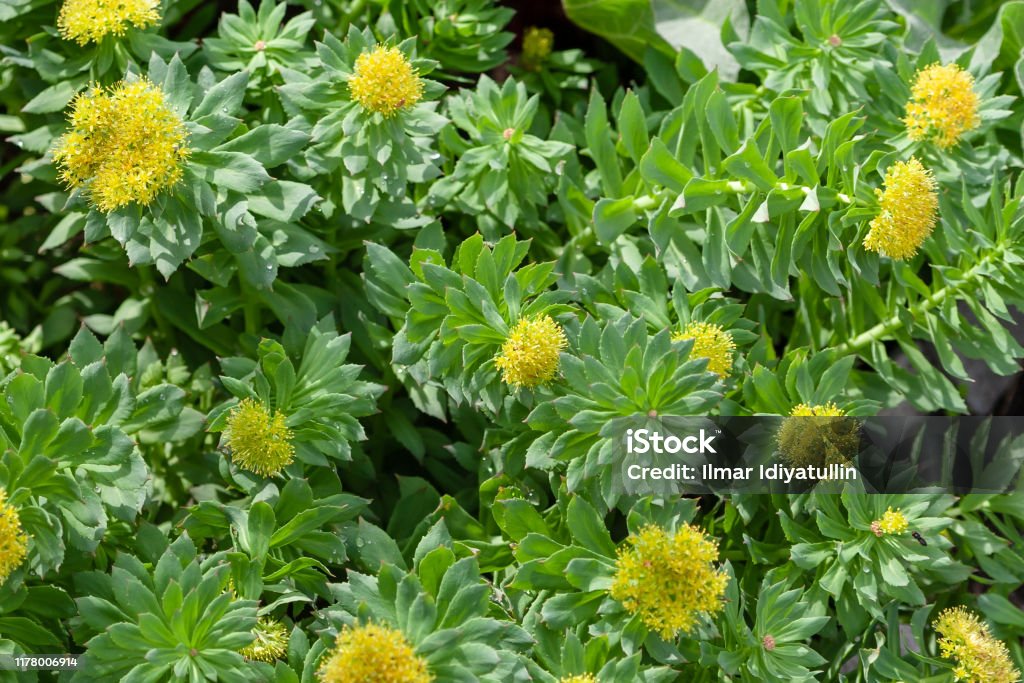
943,105
978,656
385,82
13,541
830,438
581,678
373,654
669,579
270,641
90,21
125,145
712,342
908,212
892,522
537,45
259,441
529,356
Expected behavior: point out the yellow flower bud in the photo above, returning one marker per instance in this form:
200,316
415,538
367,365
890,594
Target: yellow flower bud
943,105
529,356
669,579
978,656
892,522
711,342
90,21
373,654
385,82
125,145
270,643
13,541
258,441
909,211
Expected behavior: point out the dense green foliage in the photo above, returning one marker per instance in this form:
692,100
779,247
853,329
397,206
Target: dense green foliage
326,316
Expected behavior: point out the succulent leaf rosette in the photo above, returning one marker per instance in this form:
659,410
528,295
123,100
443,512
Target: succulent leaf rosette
175,619
297,402
863,551
72,435
463,36
432,624
374,123
496,175
585,428
260,41
657,589
161,165
480,326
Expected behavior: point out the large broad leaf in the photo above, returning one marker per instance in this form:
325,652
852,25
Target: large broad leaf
666,25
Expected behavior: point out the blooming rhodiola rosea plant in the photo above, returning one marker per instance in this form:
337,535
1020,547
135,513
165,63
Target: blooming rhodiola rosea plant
323,326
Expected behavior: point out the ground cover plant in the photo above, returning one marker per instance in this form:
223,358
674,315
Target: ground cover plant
322,323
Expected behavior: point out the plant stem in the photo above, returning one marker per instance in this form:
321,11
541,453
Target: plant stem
887,327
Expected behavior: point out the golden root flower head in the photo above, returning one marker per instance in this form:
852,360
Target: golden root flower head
125,145
385,82
818,435
537,44
712,342
943,105
271,641
909,211
669,579
978,656
373,654
258,441
530,354
892,522
580,678
13,541
90,21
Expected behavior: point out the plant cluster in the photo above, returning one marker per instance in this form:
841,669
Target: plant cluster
322,324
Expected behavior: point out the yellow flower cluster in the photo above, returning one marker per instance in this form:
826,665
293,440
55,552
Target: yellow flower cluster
829,409
892,522
385,82
125,145
978,656
270,643
373,654
581,678
669,579
537,44
712,342
90,21
13,541
830,438
909,211
943,105
258,441
529,356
